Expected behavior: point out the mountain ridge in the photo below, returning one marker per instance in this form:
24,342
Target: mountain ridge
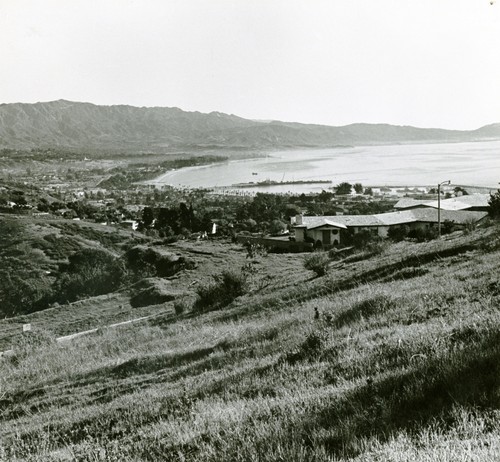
83,125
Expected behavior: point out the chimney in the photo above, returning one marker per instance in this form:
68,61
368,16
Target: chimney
298,219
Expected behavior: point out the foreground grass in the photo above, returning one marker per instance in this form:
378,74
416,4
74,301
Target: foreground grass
395,368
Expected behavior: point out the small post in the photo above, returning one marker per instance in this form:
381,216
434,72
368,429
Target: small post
439,205
439,210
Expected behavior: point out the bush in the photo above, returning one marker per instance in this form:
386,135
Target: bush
90,272
317,262
447,227
469,226
398,233
422,235
180,306
494,205
364,238
255,250
312,348
146,262
277,227
221,291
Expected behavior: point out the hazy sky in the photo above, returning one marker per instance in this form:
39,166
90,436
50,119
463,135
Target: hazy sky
418,62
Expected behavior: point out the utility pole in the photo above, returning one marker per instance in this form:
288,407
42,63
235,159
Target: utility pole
439,205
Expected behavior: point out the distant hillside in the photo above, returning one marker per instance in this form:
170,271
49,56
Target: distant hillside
84,125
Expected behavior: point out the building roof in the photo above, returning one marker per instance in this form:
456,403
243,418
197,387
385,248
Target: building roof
408,202
462,202
318,222
453,203
396,218
427,214
458,216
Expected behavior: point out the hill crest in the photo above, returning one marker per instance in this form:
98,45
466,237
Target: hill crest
80,125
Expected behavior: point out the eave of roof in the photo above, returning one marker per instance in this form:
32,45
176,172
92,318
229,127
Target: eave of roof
327,223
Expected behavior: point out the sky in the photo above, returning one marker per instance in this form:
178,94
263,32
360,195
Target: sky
427,63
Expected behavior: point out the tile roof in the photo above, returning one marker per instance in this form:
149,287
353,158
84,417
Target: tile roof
317,222
427,214
462,202
453,203
458,216
355,220
407,202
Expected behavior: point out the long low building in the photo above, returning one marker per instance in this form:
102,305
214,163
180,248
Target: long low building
327,229
470,202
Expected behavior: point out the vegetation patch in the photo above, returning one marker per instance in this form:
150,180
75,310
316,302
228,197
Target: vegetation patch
149,261
317,262
221,291
153,291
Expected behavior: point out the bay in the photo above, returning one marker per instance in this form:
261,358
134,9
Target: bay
471,163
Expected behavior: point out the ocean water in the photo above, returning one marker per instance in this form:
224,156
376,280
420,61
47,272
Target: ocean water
473,163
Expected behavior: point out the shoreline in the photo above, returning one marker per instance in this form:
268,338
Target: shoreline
389,166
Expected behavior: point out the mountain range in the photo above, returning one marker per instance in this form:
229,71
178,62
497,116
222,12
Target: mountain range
75,125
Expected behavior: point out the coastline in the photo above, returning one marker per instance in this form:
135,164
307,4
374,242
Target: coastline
389,165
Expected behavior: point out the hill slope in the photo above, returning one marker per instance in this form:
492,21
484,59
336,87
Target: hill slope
84,125
402,364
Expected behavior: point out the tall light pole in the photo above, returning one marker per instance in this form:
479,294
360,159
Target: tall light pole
439,205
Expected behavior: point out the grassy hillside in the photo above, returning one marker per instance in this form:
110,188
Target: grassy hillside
402,364
33,253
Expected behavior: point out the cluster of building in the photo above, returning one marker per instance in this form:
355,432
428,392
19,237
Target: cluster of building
415,214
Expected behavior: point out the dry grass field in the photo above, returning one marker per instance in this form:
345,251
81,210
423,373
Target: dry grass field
391,356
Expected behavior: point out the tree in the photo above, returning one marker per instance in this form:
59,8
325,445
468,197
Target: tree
43,205
344,188
147,217
325,196
266,207
277,227
358,187
369,191
459,190
168,218
494,205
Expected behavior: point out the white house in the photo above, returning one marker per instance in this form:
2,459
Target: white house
322,229
327,229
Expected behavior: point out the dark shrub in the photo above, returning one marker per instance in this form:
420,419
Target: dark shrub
317,262
255,250
146,261
221,291
422,235
311,348
398,233
363,238
309,239
494,205
90,272
447,227
180,306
